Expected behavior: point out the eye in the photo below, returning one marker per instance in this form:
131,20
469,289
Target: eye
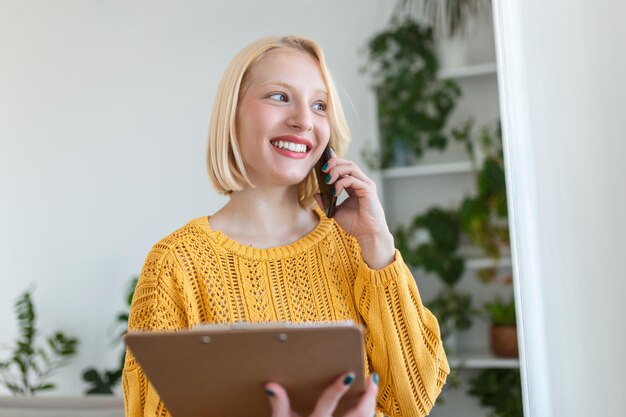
319,105
278,97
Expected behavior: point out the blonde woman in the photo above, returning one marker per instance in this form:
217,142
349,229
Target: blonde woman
270,254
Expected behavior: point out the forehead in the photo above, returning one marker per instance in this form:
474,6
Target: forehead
289,66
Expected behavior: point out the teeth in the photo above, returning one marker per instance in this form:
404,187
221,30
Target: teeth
293,147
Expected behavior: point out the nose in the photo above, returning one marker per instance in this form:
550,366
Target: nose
300,117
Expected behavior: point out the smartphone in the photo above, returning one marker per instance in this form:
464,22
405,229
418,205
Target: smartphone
326,190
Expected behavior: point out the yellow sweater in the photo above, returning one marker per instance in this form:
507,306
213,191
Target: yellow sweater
198,275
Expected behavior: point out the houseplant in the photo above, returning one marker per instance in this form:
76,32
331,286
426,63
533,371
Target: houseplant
449,17
501,314
499,390
431,243
103,381
413,104
483,215
32,364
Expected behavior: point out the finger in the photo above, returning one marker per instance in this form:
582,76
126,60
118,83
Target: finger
354,186
367,403
339,167
327,402
279,400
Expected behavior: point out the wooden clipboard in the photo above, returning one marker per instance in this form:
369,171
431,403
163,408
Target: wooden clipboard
221,370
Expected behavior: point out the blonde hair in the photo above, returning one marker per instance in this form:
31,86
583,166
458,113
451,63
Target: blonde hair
224,161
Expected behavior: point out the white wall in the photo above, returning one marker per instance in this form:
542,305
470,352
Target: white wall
104,109
563,95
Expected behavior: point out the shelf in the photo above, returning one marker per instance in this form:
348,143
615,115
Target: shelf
428,169
481,360
469,71
483,263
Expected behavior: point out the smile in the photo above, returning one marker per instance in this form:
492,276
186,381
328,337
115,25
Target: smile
290,146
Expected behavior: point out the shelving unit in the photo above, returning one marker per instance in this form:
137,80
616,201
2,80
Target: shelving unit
428,169
443,179
481,360
478,70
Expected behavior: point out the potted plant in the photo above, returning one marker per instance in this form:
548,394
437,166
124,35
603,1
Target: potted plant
450,19
431,243
500,390
501,314
413,104
105,380
483,216
28,370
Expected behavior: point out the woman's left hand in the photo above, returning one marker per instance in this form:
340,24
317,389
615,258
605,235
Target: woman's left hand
361,214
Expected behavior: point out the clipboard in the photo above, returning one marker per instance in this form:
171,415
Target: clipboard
221,370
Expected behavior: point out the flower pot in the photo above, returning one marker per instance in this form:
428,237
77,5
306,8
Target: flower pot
504,341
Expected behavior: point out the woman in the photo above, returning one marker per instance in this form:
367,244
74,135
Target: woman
268,255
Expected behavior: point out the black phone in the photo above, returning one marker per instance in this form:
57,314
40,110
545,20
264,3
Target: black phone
326,190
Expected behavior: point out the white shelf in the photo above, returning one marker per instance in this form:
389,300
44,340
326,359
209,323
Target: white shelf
481,360
428,169
469,71
483,263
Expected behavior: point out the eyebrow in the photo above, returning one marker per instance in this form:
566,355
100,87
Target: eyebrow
291,87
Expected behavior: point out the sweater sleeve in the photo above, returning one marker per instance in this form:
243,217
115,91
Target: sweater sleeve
158,304
402,339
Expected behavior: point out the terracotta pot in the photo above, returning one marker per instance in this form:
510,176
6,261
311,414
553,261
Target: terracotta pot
504,341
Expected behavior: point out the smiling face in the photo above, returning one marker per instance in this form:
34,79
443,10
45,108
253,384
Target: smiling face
282,125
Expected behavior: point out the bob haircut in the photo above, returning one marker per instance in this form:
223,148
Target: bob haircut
224,162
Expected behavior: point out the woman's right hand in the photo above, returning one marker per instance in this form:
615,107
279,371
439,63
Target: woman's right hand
327,402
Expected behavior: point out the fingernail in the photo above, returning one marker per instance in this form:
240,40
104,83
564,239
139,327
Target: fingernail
334,191
375,377
269,392
348,379
327,180
325,167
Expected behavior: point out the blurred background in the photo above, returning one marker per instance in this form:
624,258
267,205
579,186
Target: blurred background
104,112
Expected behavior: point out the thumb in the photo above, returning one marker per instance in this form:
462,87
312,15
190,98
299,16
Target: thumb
279,400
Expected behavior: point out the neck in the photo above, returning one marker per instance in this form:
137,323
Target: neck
265,217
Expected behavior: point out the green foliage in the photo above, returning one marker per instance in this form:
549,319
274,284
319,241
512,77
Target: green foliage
103,381
501,312
438,233
500,390
413,104
451,17
29,370
453,310
483,216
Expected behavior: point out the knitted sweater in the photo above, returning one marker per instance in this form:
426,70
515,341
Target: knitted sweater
198,275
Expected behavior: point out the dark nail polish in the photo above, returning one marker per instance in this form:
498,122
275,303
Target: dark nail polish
375,378
325,167
270,393
348,379
334,191
327,180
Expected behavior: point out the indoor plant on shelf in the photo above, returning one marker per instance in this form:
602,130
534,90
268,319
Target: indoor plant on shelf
483,215
431,243
413,104
500,390
501,315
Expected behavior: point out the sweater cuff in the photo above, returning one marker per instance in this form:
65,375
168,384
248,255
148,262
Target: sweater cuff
383,277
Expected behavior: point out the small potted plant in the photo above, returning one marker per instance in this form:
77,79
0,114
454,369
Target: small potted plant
501,314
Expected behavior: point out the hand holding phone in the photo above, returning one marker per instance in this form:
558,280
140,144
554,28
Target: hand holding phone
329,200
